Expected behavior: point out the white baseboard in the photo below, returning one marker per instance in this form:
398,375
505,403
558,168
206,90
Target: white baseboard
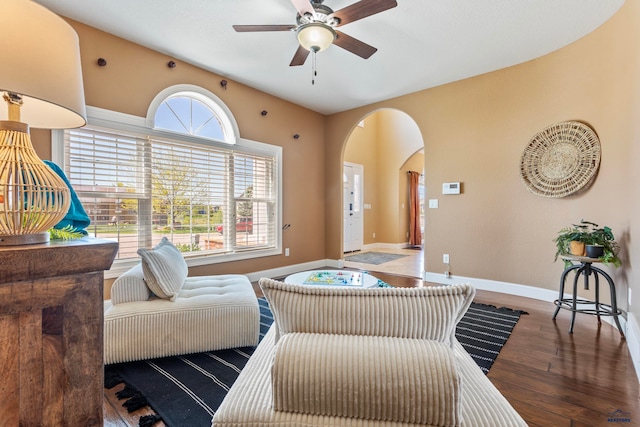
633,341
494,286
628,322
630,325
374,246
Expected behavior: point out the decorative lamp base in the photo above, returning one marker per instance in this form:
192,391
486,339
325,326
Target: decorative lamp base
33,198
24,239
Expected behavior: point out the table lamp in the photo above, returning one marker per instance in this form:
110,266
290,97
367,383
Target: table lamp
41,82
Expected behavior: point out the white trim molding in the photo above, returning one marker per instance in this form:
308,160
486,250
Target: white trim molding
494,286
134,125
628,321
223,113
630,325
392,246
633,341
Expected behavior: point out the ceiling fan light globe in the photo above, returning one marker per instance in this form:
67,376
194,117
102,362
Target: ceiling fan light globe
316,36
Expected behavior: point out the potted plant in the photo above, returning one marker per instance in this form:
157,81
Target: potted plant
592,237
571,240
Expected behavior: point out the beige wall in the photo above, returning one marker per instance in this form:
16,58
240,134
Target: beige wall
399,138
475,131
41,140
133,77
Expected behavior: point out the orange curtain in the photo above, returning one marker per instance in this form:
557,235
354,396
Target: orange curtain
415,233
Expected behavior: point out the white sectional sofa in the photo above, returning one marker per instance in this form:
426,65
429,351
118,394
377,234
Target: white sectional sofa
364,357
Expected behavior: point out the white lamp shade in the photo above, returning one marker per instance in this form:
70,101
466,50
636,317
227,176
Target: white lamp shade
41,61
316,36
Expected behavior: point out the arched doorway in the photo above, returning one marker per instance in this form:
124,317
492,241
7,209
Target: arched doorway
385,143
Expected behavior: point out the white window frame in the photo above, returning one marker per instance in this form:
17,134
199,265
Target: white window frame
228,123
129,123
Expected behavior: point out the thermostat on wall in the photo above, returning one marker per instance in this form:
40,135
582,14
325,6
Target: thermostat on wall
450,188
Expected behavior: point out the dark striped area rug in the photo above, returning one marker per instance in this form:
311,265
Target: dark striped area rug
484,330
187,390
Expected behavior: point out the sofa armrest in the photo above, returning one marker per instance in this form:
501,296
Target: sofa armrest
130,287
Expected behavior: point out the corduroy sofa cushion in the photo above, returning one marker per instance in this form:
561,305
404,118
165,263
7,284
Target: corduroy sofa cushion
249,403
374,378
164,269
430,313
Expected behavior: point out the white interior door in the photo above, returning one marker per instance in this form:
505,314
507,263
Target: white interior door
352,209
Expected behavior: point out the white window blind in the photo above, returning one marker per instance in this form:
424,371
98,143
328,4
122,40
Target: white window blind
205,198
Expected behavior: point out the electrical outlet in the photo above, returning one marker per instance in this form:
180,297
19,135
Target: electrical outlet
374,235
286,252
445,258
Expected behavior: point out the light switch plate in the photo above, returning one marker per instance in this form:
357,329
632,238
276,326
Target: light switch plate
433,203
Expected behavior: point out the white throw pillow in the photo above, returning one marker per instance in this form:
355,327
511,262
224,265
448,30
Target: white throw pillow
164,269
430,312
130,287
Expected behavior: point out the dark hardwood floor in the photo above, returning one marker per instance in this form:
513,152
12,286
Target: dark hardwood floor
552,378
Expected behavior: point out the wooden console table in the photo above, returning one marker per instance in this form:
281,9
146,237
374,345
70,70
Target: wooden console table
51,332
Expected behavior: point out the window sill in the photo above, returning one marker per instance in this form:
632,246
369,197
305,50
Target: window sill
121,266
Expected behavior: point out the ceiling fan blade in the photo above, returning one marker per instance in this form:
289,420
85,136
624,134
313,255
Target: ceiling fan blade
303,6
354,45
299,57
362,9
252,28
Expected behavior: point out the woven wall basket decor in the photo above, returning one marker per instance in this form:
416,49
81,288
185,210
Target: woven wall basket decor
561,160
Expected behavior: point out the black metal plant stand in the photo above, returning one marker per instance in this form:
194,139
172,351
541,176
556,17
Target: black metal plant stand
577,305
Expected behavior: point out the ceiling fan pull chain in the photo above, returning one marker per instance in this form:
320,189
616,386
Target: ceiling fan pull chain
313,68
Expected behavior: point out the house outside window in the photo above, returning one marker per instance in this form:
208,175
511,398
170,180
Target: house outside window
182,173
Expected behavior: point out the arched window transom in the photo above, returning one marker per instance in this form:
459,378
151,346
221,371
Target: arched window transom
183,113
192,110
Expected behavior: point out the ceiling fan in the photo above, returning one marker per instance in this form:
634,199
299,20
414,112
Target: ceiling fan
316,27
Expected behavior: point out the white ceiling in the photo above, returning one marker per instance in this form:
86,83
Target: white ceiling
421,43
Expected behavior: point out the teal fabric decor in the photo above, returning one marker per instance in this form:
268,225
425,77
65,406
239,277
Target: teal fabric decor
76,217
382,284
